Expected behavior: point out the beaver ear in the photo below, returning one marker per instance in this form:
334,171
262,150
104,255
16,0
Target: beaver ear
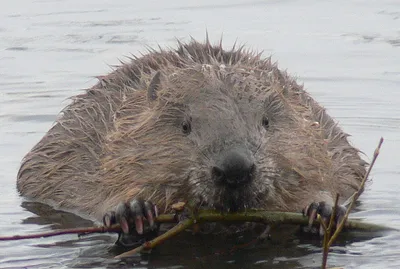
154,86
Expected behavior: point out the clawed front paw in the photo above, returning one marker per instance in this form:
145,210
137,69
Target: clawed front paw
325,211
131,216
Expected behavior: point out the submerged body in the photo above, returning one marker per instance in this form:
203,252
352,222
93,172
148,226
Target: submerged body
224,129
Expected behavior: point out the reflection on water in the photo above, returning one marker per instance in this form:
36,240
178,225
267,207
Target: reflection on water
346,53
55,219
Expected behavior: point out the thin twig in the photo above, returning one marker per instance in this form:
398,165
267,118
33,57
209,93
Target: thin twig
166,218
112,229
357,194
328,240
327,233
183,225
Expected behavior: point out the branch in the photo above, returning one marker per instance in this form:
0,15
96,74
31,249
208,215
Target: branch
213,216
328,240
252,216
79,231
183,225
167,218
327,232
357,194
276,218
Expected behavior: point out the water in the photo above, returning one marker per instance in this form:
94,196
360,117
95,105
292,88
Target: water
347,53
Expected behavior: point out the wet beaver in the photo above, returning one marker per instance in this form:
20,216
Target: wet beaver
223,128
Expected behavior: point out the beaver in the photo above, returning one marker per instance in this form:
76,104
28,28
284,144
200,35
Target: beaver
223,128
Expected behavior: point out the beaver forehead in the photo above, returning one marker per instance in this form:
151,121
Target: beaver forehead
220,94
223,103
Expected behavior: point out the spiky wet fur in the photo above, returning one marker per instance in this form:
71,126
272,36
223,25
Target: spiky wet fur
113,143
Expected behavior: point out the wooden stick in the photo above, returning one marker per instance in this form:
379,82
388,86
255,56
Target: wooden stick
328,240
252,216
327,234
183,225
356,195
89,230
167,218
214,216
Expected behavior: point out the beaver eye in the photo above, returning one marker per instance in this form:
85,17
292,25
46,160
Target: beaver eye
186,127
265,122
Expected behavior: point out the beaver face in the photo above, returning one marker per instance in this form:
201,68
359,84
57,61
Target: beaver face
230,139
233,169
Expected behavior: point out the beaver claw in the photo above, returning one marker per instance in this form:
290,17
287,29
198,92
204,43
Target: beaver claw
130,216
325,211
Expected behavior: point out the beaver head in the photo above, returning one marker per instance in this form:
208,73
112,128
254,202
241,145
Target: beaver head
209,134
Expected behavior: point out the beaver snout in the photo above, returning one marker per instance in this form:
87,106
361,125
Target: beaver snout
236,168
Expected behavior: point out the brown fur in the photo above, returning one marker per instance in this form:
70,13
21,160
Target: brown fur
115,142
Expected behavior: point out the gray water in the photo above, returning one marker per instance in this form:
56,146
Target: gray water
346,52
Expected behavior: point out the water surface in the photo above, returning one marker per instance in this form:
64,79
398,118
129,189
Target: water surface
347,53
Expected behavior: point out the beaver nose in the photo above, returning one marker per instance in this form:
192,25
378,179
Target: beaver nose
234,170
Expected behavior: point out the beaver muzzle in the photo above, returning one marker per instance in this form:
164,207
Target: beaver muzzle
234,170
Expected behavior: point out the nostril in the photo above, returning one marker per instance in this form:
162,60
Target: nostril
218,174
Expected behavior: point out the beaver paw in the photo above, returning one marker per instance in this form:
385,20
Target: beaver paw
325,211
130,216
